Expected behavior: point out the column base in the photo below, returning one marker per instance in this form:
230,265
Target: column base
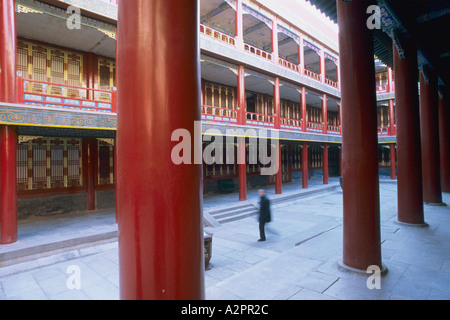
438,204
347,268
417,225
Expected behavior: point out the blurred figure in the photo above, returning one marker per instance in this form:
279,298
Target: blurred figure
264,214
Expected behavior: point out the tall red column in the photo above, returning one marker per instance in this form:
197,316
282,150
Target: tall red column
391,118
409,157
429,129
325,163
239,23
160,203
444,141
361,245
90,155
303,109
241,96
279,173
8,186
8,134
8,33
242,169
324,114
393,162
277,104
305,166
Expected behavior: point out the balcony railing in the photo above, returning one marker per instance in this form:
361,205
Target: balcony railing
262,120
287,64
257,51
311,74
217,35
217,114
53,95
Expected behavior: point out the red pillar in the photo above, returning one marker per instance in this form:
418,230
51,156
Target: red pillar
279,174
303,109
241,96
8,186
392,131
429,128
160,203
90,151
305,166
275,40
8,83
91,72
324,114
393,162
444,141
325,163
239,25
8,134
361,246
277,103
242,169
409,157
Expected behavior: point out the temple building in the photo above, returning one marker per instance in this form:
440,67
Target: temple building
73,125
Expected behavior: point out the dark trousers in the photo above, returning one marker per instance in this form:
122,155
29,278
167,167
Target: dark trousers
262,234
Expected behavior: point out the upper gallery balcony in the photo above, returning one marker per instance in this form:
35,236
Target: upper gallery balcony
246,28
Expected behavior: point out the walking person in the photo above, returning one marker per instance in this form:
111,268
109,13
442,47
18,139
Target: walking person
264,214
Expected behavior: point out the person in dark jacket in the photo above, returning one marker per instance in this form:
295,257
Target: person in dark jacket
264,214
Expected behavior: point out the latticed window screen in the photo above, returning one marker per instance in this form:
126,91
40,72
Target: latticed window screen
47,64
49,163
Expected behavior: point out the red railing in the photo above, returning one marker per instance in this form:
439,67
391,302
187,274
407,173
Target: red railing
331,83
257,51
334,129
264,54
47,94
314,127
263,120
217,114
387,131
311,74
288,64
294,124
217,35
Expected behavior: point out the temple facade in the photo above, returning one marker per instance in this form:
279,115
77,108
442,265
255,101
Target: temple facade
262,68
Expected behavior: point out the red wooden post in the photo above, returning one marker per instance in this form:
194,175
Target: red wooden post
275,40
8,45
362,247
305,166
9,93
277,102
325,163
393,162
239,26
279,173
8,189
242,115
242,169
90,153
392,131
324,114
409,157
444,141
303,109
429,128
160,203
301,55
